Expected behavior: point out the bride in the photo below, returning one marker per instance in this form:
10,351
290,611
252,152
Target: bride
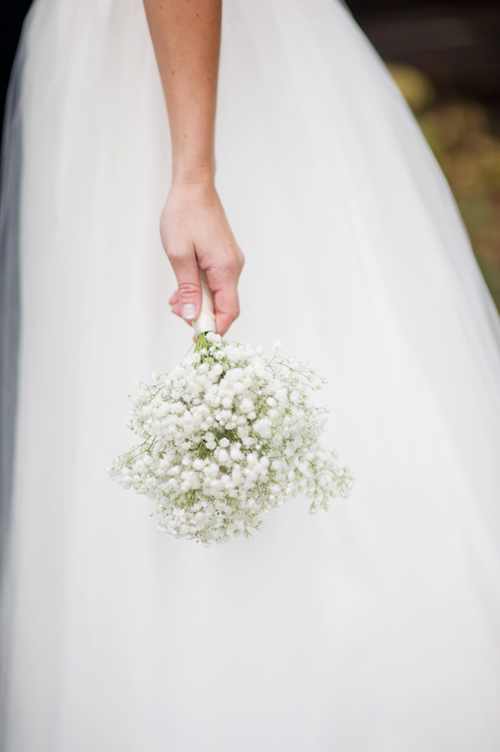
371,628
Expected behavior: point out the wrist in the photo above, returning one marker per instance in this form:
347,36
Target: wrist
193,175
198,188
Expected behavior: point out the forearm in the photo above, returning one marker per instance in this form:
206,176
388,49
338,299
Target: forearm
194,228
186,39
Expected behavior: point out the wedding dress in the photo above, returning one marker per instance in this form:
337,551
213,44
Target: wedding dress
374,627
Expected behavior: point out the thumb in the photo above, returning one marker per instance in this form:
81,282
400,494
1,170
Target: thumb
188,280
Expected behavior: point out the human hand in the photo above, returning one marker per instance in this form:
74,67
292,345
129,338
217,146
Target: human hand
196,235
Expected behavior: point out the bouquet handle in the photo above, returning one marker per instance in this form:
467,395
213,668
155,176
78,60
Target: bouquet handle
206,320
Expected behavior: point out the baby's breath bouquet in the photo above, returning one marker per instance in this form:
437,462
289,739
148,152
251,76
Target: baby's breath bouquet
227,436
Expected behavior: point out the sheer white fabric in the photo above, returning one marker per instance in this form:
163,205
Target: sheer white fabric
373,628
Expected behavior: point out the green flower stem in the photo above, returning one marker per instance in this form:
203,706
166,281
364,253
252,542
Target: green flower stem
201,342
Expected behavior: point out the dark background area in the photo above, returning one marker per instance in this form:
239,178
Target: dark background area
445,57
11,19
457,44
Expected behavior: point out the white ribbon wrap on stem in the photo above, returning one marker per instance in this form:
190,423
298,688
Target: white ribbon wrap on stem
206,320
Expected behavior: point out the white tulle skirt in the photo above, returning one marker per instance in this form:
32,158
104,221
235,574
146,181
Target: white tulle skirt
372,628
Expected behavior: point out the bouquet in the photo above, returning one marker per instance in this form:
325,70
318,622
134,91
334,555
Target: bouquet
228,436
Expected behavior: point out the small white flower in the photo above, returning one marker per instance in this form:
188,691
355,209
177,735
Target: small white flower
263,427
223,456
236,453
246,405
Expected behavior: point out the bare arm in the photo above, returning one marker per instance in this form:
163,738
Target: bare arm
194,228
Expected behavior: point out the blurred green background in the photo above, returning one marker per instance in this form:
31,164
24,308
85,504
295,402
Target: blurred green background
445,58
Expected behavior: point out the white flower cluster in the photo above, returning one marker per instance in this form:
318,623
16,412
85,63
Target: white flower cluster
228,436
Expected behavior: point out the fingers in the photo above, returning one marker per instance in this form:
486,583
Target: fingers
226,307
175,303
224,286
223,281
188,301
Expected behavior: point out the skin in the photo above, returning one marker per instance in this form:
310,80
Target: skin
194,229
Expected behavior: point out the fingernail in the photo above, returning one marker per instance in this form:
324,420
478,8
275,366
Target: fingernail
188,310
